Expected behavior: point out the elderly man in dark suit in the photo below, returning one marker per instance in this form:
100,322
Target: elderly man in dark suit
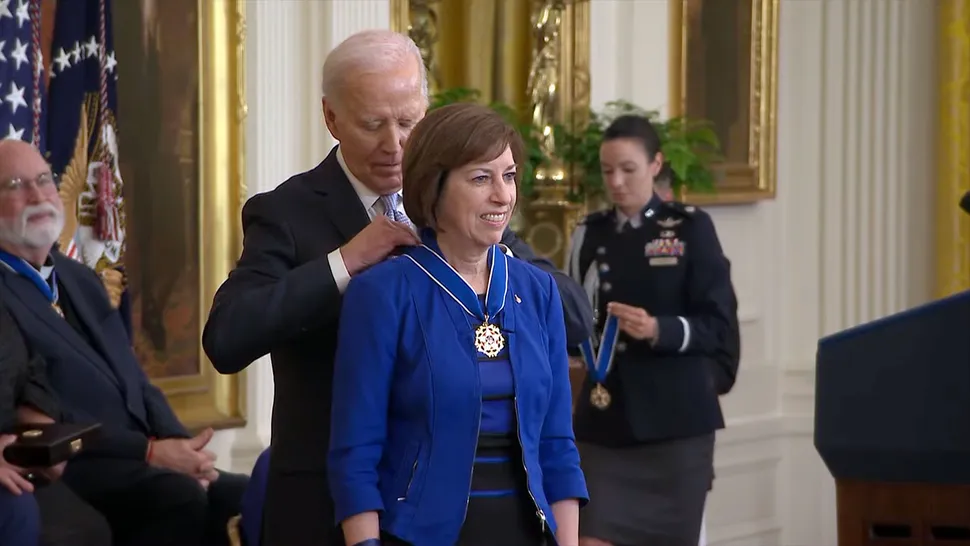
153,482
49,515
303,242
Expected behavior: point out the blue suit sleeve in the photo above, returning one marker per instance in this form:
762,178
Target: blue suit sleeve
710,294
363,369
562,477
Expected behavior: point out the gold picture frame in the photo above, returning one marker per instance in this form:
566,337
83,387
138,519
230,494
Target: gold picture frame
574,84
753,179
215,101
210,398
210,112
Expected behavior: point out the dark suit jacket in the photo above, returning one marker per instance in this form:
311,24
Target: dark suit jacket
728,356
98,382
23,379
281,299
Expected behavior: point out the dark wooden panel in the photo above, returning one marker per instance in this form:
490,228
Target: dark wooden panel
891,514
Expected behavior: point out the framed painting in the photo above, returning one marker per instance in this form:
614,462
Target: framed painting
724,69
181,113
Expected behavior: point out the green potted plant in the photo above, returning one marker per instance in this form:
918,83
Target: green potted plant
689,146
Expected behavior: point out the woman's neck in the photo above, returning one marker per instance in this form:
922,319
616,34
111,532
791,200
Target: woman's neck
470,261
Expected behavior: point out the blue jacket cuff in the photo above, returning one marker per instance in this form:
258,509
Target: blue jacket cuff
350,501
564,486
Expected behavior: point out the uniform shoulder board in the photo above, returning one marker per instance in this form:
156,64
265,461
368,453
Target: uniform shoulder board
597,217
680,208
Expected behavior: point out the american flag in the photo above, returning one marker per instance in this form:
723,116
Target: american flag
21,78
83,143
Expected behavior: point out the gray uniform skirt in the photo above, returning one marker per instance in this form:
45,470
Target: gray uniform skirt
647,495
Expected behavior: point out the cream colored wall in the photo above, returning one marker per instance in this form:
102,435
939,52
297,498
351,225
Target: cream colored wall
845,240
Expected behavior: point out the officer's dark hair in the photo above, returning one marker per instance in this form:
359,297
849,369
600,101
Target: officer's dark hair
448,138
635,127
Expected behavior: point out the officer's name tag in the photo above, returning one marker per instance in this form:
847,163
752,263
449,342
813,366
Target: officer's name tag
661,261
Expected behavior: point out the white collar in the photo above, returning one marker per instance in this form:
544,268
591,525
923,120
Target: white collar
366,195
45,270
635,222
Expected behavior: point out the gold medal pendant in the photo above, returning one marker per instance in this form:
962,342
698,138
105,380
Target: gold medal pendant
489,340
600,397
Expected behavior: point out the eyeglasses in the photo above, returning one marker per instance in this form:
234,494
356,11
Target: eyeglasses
20,185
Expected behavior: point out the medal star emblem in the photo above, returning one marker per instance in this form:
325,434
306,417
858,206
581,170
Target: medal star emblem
600,397
489,340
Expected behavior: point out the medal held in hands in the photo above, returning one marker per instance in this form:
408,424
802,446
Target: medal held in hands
489,339
599,364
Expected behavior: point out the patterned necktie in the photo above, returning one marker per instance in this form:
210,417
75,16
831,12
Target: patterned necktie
390,208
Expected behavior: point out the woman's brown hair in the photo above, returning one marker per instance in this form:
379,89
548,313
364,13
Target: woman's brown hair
449,138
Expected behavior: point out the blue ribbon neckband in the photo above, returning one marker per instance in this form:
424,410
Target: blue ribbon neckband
24,269
488,337
600,367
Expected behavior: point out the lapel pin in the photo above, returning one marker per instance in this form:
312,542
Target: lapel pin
517,298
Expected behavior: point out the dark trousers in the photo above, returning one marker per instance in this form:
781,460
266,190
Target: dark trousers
298,511
52,516
19,519
149,506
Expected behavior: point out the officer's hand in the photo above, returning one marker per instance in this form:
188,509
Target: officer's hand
634,321
375,242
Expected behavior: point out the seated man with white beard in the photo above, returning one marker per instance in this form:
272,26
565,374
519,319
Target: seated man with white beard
154,483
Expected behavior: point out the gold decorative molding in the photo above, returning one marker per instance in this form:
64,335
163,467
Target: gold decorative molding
550,217
408,17
753,180
553,94
209,398
953,147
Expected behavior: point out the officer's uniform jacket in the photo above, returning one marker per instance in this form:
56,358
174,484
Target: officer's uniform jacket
668,261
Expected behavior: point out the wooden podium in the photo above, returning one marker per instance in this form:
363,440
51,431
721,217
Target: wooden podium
892,424
903,514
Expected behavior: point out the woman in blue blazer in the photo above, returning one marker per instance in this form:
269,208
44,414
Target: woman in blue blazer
452,417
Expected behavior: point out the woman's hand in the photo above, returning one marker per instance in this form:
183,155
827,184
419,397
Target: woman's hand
634,321
361,528
566,513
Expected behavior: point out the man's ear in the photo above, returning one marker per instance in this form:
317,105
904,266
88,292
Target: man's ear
329,117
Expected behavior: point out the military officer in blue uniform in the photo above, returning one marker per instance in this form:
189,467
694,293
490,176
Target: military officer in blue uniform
667,340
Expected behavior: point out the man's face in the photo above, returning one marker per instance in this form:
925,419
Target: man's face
372,117
31,212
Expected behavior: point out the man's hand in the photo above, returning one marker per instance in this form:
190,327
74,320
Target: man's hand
635,321
375,242
55,472
187,456
11,476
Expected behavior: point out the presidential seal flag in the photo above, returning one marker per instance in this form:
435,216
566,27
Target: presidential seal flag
21,73
82,140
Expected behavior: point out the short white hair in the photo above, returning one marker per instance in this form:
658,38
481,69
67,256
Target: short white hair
370,51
